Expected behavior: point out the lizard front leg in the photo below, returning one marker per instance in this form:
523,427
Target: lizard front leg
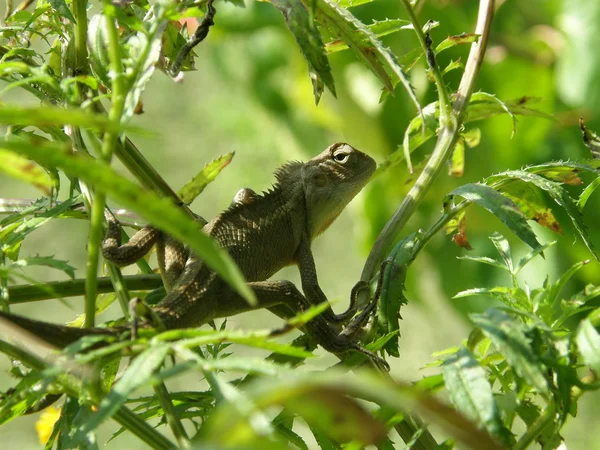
310,284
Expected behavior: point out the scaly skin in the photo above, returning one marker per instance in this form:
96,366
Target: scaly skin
263,233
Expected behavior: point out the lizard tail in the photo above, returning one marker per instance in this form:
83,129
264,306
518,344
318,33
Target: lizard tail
57,335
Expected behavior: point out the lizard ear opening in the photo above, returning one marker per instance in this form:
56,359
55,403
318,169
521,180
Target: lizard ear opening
320,179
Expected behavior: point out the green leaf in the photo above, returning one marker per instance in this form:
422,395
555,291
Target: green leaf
44,116
23,169
451,41
47,261
379,29
588,342
191,338
352,3
13,236
502,207
508,336
503,247
532,254
552,296
486,260
144,53
471,392
532,205
587,192
209,172
230,423
392,291
60,6
161,212
342,24
137,374
558,194
310,42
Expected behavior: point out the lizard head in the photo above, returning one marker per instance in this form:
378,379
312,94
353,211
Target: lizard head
330,180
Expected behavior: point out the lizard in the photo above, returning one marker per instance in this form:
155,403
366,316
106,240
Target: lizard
262,233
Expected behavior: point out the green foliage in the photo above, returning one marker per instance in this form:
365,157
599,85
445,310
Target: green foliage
533,352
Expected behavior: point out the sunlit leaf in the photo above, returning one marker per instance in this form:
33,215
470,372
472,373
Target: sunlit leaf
559,195
365,45
136,375
502,207
451,41
378,28
23,169
310,42
532,205
508,335
471,392
209,172
392,293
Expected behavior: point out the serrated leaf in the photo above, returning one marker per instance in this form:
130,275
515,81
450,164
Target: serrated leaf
587,192
352,3
508,336
193,338
60,6
559,195
366,46
471,392
44,116
379,29
503,248
457,160
23,169
532,254
486,260
310,42
451,41
552,295
144,49
392,291
209,172
137,374
502,207
47,261
13,236
532,205
159,211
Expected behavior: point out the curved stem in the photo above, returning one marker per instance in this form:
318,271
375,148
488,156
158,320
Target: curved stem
447,138
108,146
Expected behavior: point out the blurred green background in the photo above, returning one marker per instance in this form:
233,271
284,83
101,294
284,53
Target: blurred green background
251,94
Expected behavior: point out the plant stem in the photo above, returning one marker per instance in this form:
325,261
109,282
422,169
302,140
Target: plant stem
534,430
447,138
81,54
25,293
172,419
108,146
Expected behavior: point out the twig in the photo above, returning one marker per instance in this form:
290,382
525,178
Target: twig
199,35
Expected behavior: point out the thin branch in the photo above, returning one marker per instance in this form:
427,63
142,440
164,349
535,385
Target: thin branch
199,35
447,138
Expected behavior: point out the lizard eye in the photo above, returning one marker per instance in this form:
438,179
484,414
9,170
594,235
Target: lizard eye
341,156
